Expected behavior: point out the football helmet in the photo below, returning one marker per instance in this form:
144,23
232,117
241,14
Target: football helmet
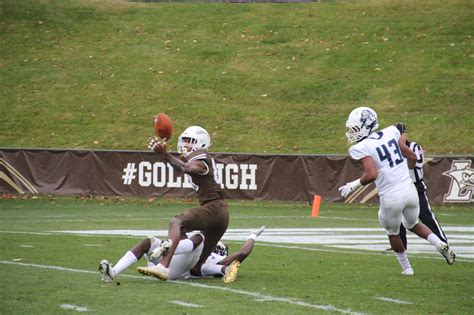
221,249
361,122
193,139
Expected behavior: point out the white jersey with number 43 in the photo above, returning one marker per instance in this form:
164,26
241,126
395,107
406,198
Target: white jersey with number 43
392,167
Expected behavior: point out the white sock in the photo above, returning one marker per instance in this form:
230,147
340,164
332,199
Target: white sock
252,237
433,239
126,261
211,270
184,247
403,260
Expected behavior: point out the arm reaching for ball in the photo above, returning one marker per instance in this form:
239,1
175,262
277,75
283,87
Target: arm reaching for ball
160,147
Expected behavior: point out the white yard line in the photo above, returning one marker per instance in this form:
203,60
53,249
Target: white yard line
73,307
386,299
254,295
26,232
371,241
264,297
186,304
362,252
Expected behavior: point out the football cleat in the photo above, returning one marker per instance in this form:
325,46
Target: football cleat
444,249
231,272
162,250
159,271
107,271
408,272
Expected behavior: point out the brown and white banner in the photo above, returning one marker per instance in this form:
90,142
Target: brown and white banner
243,176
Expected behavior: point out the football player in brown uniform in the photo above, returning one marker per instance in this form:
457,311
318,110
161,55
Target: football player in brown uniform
211,217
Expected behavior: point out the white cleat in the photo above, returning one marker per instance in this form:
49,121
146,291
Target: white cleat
162,250
444,249
107,271
408,272
159,271
231,272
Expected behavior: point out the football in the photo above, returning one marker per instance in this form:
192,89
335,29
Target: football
163,126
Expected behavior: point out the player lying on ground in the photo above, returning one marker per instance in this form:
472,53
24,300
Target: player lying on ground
218,264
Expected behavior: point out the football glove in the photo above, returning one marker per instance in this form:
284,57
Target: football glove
348,188
154,142
162,250
401,127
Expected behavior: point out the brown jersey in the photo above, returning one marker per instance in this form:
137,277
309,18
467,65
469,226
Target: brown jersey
207,184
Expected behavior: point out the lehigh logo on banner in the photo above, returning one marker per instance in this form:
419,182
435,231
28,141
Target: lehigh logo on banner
159,174
14,180
462,182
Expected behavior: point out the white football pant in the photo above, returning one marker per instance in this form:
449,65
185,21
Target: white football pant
401,206
184,258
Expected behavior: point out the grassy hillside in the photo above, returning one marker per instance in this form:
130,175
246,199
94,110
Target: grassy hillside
277,78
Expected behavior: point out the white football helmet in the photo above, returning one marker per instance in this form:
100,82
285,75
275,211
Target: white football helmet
361,122
192,139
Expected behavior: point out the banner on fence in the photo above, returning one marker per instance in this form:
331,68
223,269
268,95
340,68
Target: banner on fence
243,176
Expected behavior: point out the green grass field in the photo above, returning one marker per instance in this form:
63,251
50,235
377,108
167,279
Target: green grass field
44,270
262,78
276,78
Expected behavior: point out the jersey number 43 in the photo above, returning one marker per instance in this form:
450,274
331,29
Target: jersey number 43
391,152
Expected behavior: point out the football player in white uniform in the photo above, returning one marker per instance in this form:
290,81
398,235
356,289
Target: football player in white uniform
382,155
186,256
218,264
